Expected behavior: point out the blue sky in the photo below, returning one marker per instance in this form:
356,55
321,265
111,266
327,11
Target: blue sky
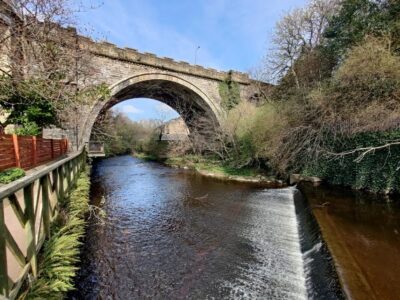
143,109
232,34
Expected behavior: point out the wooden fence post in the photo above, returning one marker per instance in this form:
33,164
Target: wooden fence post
44,181
52,148
66,145
3,258
34,151
30,227
16,151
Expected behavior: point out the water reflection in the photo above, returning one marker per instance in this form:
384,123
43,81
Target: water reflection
363,233
171,234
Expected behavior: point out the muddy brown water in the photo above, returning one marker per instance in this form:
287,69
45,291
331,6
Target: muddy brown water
172,234
363,233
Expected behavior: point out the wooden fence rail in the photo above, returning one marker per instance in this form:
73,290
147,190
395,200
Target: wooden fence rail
27,152
27,208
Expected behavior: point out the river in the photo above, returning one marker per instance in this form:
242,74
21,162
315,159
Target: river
363,234
172,234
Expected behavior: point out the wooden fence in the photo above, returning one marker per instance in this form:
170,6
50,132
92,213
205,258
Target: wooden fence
27,208
27,152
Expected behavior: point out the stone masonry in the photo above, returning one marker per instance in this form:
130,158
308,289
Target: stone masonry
131,74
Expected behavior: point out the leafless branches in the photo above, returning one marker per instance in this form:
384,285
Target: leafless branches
364,150
297,33
43,55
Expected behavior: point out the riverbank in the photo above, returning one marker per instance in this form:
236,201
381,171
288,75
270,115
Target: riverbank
362,234
215,169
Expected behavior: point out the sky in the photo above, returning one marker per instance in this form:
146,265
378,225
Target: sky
231,34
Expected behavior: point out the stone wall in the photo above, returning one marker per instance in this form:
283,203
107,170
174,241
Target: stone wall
174,130
8,18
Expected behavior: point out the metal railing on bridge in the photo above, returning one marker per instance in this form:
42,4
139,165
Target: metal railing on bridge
27,208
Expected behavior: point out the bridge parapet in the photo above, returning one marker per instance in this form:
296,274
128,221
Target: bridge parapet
130,55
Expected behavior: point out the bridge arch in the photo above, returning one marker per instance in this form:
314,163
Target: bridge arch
175,91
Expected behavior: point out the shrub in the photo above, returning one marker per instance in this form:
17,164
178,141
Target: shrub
10,175
28,128
370,75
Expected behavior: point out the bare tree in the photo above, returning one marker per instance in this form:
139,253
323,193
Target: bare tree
297,33
44,58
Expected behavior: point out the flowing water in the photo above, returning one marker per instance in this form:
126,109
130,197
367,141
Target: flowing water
172,234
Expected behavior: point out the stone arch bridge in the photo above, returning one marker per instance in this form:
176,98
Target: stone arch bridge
131,74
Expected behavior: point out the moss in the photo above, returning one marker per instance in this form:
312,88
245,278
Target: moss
10,175
58,262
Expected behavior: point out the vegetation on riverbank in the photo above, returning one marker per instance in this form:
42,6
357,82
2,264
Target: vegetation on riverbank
335,109
215,168
121,135
201,163
341,105
58,262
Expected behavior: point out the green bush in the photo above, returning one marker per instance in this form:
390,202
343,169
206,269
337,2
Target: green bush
28,128
359,18
10,175
28,104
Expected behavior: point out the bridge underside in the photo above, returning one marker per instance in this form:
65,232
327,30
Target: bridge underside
185,101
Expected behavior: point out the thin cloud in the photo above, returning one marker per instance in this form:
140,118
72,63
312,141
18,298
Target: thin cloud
165,112
232,34
146,33
130,109
164,108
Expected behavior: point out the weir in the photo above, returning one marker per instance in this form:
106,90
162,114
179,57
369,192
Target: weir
27,208
173,234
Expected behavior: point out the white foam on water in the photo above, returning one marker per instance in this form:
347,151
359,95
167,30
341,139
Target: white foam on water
308,260
272,229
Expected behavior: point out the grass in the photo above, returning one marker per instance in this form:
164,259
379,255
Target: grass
145,156
59,259
214,166
10,175
203,164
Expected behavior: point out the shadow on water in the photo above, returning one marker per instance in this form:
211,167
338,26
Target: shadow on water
172,234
